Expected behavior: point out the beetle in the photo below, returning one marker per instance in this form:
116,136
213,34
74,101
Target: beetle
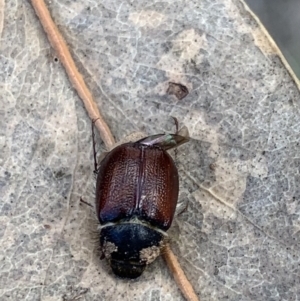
136,196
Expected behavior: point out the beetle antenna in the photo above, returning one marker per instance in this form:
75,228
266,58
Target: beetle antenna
94,146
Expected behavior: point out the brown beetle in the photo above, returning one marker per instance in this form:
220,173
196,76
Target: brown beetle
136,198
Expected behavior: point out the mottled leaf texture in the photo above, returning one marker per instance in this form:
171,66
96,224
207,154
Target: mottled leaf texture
238,238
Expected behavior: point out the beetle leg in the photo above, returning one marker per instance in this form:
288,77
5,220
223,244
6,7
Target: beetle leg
176,133
176,125
182,210
167,141
94,147
84,202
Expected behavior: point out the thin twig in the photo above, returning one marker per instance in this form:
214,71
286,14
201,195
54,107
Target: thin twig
63,53
178,274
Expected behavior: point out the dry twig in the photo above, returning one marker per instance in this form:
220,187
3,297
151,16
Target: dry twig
63,53
178,274
76,79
